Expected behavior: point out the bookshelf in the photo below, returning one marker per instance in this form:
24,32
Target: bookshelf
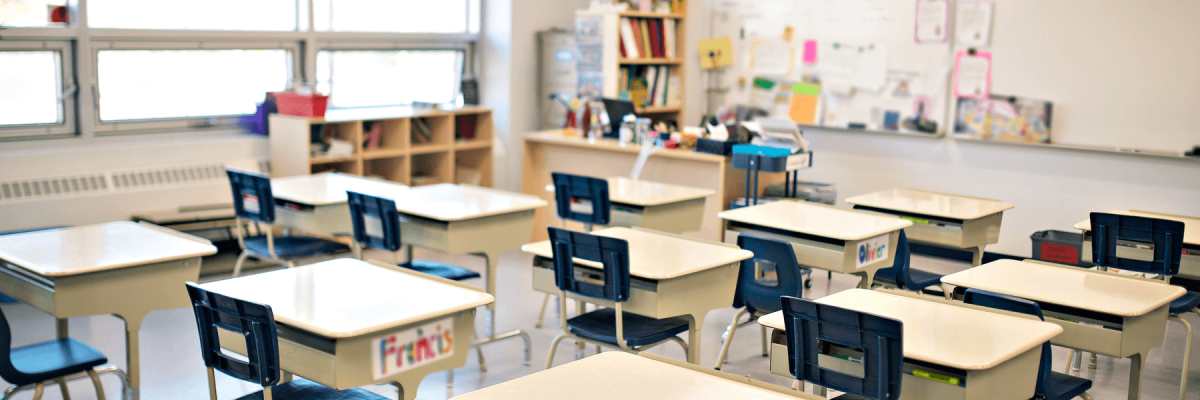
414,147
619,67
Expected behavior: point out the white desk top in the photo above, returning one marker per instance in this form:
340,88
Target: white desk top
659,256
1102,292
345,297
1191,225
450,202
616,375
817,219
931,204
944,334
94,248
647,193
330,188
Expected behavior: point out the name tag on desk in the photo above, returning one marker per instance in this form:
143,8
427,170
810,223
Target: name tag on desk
413,348
872,250
798,161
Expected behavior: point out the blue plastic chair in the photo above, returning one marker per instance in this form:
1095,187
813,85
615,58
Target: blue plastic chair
377,225
903,276
52,360
757,294
568,189
811,326
253,201
1167,238
256,323
1050,385
607,327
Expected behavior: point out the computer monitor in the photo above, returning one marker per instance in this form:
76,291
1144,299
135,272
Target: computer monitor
616,109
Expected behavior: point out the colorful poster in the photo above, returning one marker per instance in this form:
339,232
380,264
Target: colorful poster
973,75
933,16
413,348
1002,117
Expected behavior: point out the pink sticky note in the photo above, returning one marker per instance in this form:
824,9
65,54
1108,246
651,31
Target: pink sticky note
810,52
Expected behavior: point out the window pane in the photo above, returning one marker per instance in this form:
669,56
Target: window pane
28,13
153,84
30,82
388,77
247,15
402,16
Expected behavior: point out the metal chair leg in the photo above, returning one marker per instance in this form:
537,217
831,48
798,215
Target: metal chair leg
765,351
1078,360
682,344
237,265
554,349
1085,396
1070,360
1092,362
62,385
37,393
545,301
1187,355
96,382
946,292
727,338
449,382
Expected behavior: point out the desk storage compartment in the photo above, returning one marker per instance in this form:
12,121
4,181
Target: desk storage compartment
1058,246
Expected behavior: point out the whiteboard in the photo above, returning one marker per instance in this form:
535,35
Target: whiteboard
1120,74
860,26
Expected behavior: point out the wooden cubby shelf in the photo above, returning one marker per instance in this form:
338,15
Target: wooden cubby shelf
399,144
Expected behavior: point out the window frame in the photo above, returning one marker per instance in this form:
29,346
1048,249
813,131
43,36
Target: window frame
66,95
79,46
160,124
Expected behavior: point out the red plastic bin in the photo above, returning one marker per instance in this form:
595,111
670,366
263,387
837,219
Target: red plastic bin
301,105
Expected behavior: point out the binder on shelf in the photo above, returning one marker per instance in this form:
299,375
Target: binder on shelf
660,90
651,85
669,37
655,38
424,134
637,36
645,28
628,45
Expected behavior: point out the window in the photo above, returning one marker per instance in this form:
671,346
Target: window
400,16
28,13
160,84
367,78
31,82
246,15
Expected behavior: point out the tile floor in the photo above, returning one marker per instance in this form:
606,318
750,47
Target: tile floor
172,369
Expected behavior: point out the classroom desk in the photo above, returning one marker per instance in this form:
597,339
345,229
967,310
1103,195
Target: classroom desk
939,219
317,203
1189,262
121,268
993,354
658,206
339,321
465,219
1100,312
823,236
622,376
670,276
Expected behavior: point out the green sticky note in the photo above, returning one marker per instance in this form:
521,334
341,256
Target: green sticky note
916,220
935,377
806,89
764,83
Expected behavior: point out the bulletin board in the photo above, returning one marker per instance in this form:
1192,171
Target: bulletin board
1120,74
867,59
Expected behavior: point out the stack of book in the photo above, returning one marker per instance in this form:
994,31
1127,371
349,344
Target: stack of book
650,85
647,38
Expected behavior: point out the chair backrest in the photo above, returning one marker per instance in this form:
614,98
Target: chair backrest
595,190
376,221
612,254
1165,235
811,326
1019,305
761,295
9,372
252,198
253,321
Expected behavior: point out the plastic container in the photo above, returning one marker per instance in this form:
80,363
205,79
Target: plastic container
718,147
770,159
301,105
1057,246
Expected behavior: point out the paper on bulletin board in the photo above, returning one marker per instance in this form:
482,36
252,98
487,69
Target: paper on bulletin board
716,53
973,75
973,24
771,58
846,65
932,19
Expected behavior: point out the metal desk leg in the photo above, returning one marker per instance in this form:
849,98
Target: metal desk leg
132,325
492,260
62,327
977,256
1137,364
867,280
695,324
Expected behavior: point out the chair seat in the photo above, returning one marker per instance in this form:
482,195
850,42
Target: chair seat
295,246
304,389
849,396
51,359
1185,303
1061,386
922,279
441,270
601,325
887,276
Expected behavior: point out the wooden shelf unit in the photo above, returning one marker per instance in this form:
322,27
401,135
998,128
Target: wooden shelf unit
612,62
403,153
